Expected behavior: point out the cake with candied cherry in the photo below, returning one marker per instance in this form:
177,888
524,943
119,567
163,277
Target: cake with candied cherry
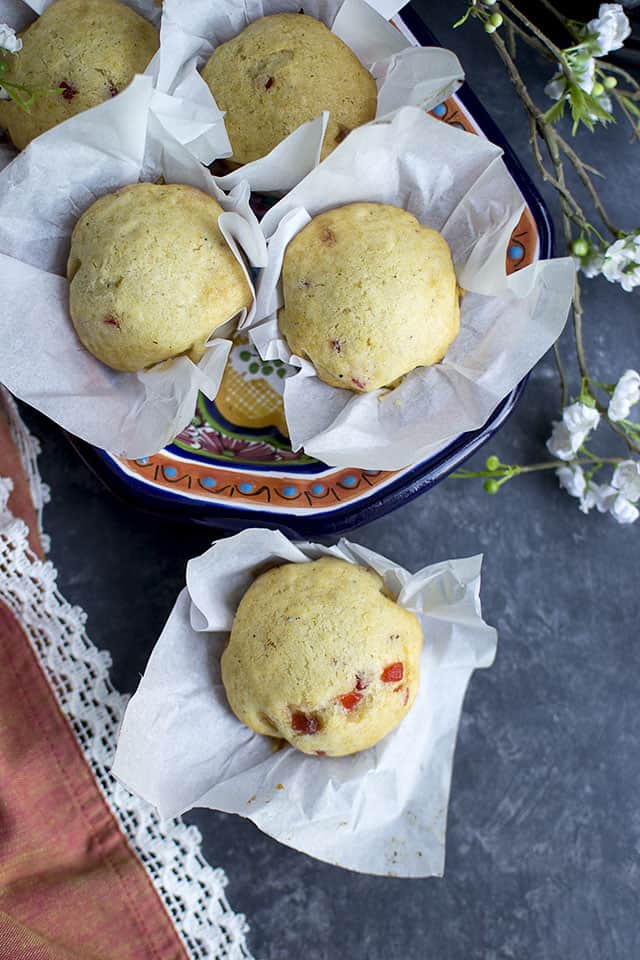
321,656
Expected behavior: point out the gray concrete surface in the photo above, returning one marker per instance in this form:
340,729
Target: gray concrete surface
544,826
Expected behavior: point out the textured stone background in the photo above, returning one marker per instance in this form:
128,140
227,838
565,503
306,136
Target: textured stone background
544,825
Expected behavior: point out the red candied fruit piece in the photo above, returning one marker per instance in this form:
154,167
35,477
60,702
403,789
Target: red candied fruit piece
328,237
304,723
361,682
392,673
350,700
321,753
113,90
270,82
335,345
361,384
68,91
112,321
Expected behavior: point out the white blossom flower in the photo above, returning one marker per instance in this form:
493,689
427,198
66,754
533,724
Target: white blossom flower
623,510
621,263
572,479
557,86
608,30
8,39
598,495
568,435
625,395
583,67
626,480
591,265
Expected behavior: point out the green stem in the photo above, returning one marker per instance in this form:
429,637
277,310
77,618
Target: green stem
515,471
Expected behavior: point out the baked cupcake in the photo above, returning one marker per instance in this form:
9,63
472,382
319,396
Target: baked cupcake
369,294
280,72
320,656
80,53
151,275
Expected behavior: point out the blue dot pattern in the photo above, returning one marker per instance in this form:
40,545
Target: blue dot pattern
349,481
245,487
317,489
516,251
208,482
289,491
440,110
170,472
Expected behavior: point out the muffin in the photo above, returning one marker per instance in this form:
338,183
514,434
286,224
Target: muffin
151,275
369,294
280,72
320,656
79,52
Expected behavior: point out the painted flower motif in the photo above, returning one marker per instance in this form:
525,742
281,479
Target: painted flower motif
608,30
569,434
208,439
8,39
621,263
625,396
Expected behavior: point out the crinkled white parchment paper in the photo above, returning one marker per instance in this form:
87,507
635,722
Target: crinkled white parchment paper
382,811
421,76
192,118
43,192
456,182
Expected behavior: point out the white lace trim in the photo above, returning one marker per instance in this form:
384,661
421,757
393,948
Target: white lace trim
191,890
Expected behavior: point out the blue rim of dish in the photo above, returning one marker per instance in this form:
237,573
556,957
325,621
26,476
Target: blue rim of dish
411,483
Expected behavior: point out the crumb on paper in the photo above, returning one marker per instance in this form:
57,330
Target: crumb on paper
251,799
279,786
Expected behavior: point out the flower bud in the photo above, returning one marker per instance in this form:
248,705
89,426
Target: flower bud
610,83
492,462
489,28
496,20
597,90
491,486
580,247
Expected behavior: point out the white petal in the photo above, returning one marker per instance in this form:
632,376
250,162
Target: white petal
572,480
626,479
623,511
625,396
556,87
560,443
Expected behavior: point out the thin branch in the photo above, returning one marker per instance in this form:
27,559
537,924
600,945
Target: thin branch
511,38
564,393
530,40
632,120
516,470
556,13
580,218
630,79
582,171
634,447
577,328
550,134
537,33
